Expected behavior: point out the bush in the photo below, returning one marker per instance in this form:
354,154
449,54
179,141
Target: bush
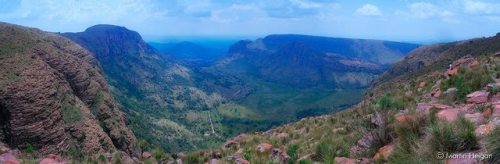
292,151
493,145
453,136
388,102
29,149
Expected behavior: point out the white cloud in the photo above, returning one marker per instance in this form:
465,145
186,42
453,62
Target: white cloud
480,7
305,4
368,10
426,10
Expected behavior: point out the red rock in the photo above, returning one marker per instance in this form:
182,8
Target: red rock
242,161
452,72
8,158
405,118
384,152
344,160
264,147
448,114
478,97
496,109
52,159
487,113
422,84
484,130
146,155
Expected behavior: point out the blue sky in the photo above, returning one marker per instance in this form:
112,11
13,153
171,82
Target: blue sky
401,20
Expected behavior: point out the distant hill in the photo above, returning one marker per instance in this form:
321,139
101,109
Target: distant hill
311,61
189,53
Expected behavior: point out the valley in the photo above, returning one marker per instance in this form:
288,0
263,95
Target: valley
104,95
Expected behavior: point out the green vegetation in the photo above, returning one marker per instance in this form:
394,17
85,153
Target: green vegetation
466,81
71,112
454,136
493,142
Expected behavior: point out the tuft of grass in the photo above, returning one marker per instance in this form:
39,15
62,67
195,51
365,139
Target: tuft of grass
493,146
453,136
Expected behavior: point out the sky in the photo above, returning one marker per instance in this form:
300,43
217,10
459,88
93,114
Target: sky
423,21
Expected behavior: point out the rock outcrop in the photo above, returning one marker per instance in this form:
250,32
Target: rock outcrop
53,95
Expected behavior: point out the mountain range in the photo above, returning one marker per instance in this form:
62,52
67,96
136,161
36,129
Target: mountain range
106,90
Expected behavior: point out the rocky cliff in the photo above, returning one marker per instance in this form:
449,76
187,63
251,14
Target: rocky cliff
54,97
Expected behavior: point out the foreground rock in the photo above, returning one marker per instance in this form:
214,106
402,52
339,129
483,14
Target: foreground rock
48,86
8,158
478,97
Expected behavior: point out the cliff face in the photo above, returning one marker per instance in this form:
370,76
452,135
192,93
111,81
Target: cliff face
53,95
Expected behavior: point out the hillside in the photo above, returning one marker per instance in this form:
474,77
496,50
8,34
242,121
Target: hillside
189,53
54,98
283,78
159,96
415,117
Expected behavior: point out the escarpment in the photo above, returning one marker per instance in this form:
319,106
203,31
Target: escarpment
54,97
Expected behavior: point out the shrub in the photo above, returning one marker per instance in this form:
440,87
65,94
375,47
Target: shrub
292,151
493,145
247,154
388,102
453,136
29,149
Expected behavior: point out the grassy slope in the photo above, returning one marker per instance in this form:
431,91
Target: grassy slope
323,138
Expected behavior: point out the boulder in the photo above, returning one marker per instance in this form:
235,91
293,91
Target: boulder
264,147
483,130
241,161
478,97
146,155
448,114
363,145
52,159
378,120
8,158
421,84
384,152
492,86
496,109
487,113
450,91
